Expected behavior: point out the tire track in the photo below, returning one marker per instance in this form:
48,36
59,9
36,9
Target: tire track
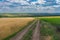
20,35
36,33
28,35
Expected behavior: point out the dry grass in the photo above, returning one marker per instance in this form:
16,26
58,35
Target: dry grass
48,38
11,25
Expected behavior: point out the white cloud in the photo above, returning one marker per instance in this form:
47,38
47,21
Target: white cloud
38,1
41,1
25,1
48,9
13,0
56,5
19,1
58,1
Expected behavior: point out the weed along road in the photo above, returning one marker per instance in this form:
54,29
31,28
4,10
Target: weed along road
20,35
36,33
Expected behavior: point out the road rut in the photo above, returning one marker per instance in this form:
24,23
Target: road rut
20,35
36,33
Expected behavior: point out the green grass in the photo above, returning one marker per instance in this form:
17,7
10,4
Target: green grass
51,30
54,21
46,29
28,35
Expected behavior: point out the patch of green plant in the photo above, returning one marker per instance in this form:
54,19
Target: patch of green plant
56,37
45,31
29,34
52,30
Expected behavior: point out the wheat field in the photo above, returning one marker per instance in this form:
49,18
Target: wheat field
10,25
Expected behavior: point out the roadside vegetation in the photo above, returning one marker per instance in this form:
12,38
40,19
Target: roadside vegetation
50,29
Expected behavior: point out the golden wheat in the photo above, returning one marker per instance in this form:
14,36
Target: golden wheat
10,25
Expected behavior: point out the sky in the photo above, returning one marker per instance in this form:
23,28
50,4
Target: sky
29,6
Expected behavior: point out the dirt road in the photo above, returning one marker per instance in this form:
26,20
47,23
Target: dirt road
20,35
36,33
